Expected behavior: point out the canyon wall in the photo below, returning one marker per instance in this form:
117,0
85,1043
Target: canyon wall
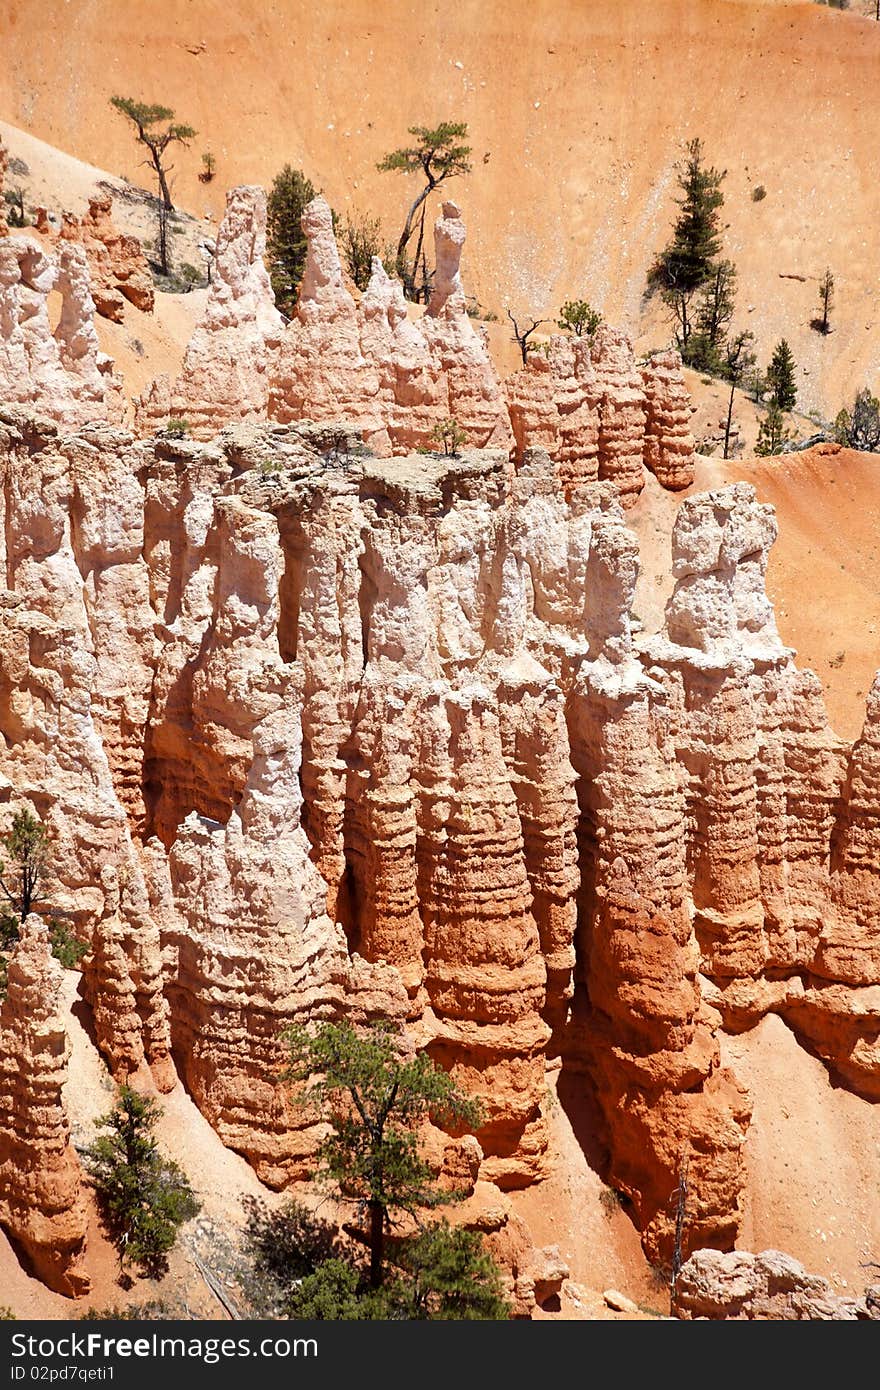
318,733
324,722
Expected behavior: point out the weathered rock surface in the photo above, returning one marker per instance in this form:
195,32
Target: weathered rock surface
62,375
669,443
117,265
770,1287
41,1203
370,367
318,733
224,378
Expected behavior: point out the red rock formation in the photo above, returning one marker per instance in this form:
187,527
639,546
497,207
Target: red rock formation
669,444
554,404
770,1287
225,374
41,1204
117,264
394,749
621,412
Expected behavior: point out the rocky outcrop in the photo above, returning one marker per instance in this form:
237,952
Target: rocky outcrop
600,416
394,379
320,733
62,374
622,412
224,378
669,443
117,265
473,392
554,404
770,1287
320,372
41,1201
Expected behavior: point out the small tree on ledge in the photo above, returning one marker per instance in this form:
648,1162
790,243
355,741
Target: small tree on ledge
27,845
521,335
450,435
580,318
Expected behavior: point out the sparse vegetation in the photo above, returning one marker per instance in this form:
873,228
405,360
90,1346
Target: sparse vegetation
144,1197
759,193
67,949
286,244
610,1202
822,323
521,335
438,154
360,239
772,433
27,845
859,428
13,197
156,129
176,428
450,436
580,318
739,360
209,167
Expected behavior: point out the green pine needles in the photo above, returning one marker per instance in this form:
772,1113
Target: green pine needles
144,1197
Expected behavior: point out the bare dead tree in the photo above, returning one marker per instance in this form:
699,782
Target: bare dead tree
521,335
681,1196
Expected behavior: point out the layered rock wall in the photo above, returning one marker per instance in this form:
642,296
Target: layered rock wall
41,1202
317,733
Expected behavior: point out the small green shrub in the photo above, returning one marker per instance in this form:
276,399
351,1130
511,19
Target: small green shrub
759,193
450,436
67,949
176,428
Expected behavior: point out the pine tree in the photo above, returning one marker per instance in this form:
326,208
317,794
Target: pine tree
374,1097
286,244
580,318
781,381
772,433
437,155
144,1196
27,844
690,258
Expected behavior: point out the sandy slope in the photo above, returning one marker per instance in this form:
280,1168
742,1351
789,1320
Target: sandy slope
577,110
812,1157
